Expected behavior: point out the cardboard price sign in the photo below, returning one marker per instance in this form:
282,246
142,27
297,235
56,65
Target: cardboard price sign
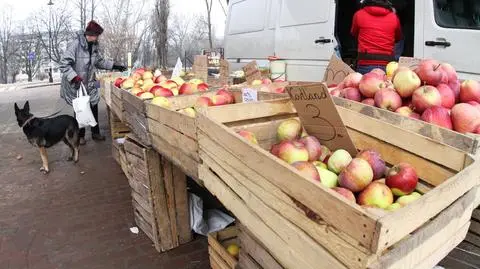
409,62
252,72
320,117
249,95
336,71
224,71
200,67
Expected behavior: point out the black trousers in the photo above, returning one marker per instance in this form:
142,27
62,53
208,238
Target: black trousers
96,129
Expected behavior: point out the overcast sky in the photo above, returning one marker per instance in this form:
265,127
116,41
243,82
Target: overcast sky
23,8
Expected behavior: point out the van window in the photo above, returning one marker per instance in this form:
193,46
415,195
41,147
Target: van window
243,23
294,12
460,14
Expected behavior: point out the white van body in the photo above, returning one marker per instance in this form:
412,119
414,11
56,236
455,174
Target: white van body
288,29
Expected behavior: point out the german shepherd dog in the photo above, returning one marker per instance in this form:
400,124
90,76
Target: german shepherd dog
46,132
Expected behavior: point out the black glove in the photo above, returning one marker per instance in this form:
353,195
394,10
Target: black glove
120,68
76,81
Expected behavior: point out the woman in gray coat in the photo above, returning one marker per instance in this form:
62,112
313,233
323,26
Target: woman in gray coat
78,64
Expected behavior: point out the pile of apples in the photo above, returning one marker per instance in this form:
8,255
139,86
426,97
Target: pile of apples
146,85
266,85
431,92
364,179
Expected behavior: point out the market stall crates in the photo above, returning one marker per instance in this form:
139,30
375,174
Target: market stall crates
118,130
159,196
174,133
117,102
264,193
218,243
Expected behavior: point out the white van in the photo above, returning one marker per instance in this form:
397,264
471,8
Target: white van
305,32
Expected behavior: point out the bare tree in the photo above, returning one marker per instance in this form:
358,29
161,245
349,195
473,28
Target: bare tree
209,5
82,7
161,13
187,36
28,55
6,42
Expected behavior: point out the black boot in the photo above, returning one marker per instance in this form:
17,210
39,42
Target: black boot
98,137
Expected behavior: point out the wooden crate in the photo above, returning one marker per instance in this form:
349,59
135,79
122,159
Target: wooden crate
174,134
118,129
465,142
135,117
159,196
260,191
217,248
117,102
253,255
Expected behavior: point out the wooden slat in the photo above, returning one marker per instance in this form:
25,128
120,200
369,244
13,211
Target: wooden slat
416,214
257,252
176,120
175,139
181,206
218,260
214,242
473,239
144,213
420,245
345,248
139,187
167,172
144,226
443,135
144,202
247,262
134,148
311,194
134,101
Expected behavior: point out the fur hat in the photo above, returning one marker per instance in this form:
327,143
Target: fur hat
93,29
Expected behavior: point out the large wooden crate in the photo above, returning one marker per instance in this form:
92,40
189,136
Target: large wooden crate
159,196
218,243
135,116
263,193
174,134
117,101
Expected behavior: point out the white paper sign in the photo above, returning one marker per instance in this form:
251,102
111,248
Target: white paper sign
178,68
249,95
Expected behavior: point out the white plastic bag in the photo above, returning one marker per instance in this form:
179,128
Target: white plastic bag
83,111
215,221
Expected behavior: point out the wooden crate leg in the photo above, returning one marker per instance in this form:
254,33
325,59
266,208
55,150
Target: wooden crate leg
170,195
181,206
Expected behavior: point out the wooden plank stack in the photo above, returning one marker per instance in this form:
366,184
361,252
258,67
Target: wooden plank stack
159,196
218,243
260,190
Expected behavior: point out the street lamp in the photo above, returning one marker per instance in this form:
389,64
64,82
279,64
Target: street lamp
50,43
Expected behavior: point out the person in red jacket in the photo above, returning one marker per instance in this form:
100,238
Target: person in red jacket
377,29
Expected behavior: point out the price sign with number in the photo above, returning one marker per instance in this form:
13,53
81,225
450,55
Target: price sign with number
249,95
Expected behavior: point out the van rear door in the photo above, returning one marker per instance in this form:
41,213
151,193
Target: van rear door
451,33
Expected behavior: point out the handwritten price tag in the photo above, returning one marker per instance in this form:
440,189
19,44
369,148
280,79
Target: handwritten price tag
249,95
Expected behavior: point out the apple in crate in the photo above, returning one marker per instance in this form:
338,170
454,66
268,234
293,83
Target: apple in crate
313,146
160,79
402,179
196,81
450,71
406,82
465,118
293,151
407,112
189,111
455,86
470,91
187,88
326,153
128,83
475,104
375,160
249,136
429,71
393,207
348,194
220,100
136,91
390,69
356,175
369,101
228,94
329,178
289,130
370,84
147,75
161,101
447,94
146,95
352,94
438,115
407,199
202,87
307,170
376,194
337,93
204,101
425,97
339,160
320,164
160,91
388,99
353,80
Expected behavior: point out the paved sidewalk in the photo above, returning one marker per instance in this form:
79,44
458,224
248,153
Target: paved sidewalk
76,217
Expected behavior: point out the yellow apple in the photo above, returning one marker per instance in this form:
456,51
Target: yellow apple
161,101
390,69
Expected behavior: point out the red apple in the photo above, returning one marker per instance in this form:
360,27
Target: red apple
337,92
429,71
202,87
402,179
228,94
406,82
293,151
249,136
290,129
339,160
220,100
307,170
379,72
475,104
438,115
352,94
204,101
160,79
470,91
313,146
276,148
455,87
465,118
425,97
187,88
325,155
341,85
353,80
447,94
375,160
388,99
370,84
345,193
407,112
160,91
369,101
450,72
376,194
356,176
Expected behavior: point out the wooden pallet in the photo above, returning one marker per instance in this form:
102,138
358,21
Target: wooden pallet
217,248
258,188
159,196
174,134
253,255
